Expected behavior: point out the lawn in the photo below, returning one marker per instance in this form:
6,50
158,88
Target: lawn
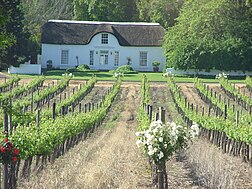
108,75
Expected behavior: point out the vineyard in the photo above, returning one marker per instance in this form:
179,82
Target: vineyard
81,134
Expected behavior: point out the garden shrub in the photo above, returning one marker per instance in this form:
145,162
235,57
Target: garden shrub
126,69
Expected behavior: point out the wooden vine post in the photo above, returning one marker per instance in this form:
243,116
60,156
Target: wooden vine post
161,166
5,164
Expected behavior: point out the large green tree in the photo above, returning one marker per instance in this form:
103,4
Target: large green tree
13,26
37,12
6,40
105,10
211,34
162,11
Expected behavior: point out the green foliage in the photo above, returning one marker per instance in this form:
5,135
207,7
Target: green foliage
162,11
25,118
125,69
14,79
6,40
37,12
16,53
83,67
142,117
248,82
34,140
210,34
24,88
104,10
156,63
242,132
226,85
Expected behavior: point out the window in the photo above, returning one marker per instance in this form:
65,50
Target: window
64,56
104,57
143,59
91,58
104,38
116,63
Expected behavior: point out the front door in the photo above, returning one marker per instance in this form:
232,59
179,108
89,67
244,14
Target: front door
104,59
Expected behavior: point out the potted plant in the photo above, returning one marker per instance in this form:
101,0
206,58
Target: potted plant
128,60
155,65
49,64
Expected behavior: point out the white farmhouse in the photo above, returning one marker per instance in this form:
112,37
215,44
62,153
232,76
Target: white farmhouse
102,45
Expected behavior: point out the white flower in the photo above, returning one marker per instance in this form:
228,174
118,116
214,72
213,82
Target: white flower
150,150
194,131
150,138
155,150
155,131
118,74
139,143
139,133
160,136
165,145
160,155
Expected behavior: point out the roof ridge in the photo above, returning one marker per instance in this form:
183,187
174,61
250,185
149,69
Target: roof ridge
101,22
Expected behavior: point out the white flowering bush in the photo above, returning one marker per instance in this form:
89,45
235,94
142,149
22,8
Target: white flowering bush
68,75
160,141
118,74
221,76
168,74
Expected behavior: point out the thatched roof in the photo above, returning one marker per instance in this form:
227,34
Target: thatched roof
81,32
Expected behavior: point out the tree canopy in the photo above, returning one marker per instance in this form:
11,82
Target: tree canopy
104,10
162,11
12,26
211,34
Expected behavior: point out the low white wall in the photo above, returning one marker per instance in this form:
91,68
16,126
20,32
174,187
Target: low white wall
25,69
211,72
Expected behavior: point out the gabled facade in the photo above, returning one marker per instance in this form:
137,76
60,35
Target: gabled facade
102,45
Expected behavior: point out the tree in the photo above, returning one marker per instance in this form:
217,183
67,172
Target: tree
37,12
16,53
162,11
5,39
104,10
211,34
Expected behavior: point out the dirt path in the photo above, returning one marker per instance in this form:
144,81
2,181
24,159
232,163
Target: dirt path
107,159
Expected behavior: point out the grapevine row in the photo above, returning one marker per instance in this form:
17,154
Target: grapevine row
75,98
34,140
234,93
207,95
143,118
227,127
41,95
9,84
21,117
248,82
16,92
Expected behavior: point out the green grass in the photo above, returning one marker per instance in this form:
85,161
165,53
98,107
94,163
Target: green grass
108,75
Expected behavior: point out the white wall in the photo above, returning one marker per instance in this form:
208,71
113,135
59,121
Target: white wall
25,69
211,72
53,52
